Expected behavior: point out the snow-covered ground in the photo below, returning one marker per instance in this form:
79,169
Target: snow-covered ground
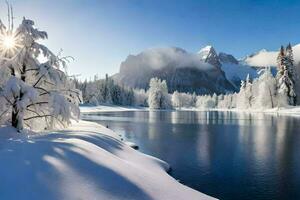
84,161
292,110
109,108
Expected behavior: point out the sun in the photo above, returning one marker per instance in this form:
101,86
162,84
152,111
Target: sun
9,42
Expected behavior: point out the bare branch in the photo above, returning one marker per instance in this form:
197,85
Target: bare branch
7,100
34,69
38,103
40,88
12,17
8,14
38,80
3,113
37,116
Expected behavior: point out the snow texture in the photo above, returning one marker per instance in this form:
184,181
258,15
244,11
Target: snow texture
85,161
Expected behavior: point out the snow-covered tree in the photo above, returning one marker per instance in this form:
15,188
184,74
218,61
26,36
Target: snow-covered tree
176,101
180,100
297,82
140,97
266,97
194,100
158,94
36,88
206,102
245,96
285,77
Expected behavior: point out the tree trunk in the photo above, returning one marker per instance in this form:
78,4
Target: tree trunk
14,117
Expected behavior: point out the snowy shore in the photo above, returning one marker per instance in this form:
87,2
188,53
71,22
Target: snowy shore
109,108
84,161
292,110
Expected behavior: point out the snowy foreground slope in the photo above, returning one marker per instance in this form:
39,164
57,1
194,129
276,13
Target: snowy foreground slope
86,161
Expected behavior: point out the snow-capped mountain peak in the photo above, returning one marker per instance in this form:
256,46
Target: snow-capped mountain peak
209,55
205,51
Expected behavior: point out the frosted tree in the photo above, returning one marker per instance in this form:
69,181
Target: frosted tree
297,82
140,97
266,89
292,74
206,102
225,101
176,101
194,99
245,96
34,90
215,100
284,77
158,94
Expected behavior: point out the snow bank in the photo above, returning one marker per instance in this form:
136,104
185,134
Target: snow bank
291,110
86,161
109,108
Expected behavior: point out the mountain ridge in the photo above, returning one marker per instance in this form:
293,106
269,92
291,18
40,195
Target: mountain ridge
194,72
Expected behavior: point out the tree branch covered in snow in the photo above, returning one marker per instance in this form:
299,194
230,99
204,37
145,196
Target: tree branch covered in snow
34,90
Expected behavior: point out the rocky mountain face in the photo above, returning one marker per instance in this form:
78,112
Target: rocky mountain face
183,71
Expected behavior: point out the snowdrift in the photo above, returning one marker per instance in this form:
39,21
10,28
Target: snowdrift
86,161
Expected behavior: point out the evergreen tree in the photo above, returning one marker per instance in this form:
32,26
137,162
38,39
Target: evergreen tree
285,77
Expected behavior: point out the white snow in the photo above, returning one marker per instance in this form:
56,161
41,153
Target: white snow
237,71
109,108
266,58
85,161
203,53
291,110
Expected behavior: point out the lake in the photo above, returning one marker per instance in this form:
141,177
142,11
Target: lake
223,154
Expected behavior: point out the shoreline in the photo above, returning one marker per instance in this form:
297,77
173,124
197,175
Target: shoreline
86,161
292,110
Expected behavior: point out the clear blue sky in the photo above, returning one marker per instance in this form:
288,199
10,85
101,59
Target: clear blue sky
101,33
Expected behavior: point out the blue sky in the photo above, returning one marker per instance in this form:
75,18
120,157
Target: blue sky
101,33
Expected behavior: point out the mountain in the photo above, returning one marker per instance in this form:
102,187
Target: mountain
203,72
209,55
183,71
234,71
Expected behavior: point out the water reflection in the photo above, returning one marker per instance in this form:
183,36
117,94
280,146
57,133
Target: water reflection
227,155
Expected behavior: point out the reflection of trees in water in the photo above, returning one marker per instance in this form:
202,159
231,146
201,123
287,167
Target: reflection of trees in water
287,156
257,152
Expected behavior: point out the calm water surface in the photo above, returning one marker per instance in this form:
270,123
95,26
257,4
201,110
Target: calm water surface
223,154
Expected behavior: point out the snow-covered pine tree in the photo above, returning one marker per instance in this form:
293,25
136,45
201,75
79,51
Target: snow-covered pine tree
34,90
245,96
284,77
291,72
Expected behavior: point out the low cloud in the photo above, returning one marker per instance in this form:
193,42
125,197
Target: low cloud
158,58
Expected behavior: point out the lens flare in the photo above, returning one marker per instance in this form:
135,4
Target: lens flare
9,42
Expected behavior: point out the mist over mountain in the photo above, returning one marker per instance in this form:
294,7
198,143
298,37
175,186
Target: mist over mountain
265,58
204,72
183,71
